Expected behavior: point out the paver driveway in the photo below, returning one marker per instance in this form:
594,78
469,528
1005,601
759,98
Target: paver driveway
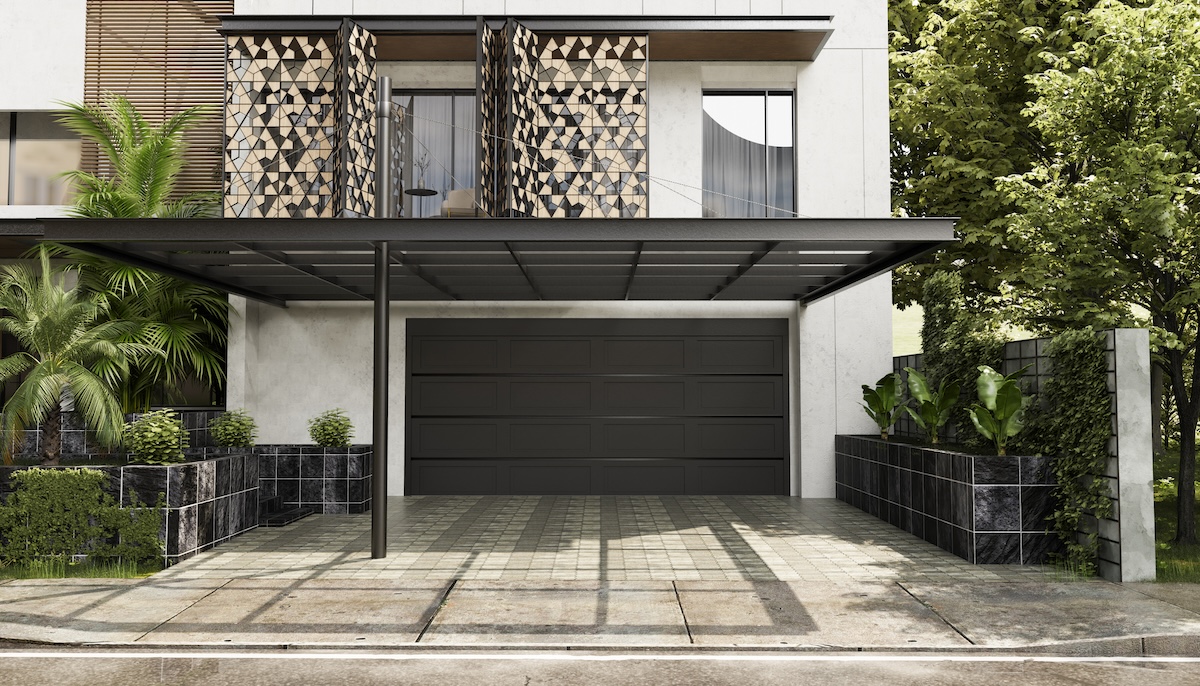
605,538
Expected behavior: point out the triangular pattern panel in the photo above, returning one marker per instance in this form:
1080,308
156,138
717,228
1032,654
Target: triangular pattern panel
358,99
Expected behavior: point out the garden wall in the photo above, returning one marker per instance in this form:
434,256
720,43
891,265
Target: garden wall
1126,537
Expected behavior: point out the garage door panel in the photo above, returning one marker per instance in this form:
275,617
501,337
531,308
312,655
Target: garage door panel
549,480
442,396
658,355
456,479
740,356
542,439
597,406
745,439
550,355
738,480
456,354
645,480
645,397
554,397
457,439
645,439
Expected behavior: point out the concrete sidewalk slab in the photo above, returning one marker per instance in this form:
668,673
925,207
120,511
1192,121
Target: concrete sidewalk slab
247,611
560,613
94,610
1186,596
1019,614
777,613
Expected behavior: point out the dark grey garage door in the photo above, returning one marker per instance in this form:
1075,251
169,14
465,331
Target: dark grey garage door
596,406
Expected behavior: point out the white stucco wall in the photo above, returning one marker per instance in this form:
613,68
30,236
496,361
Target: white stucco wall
42,53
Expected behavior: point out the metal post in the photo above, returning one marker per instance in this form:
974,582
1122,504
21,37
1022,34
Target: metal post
379,433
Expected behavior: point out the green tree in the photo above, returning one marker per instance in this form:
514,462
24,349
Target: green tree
70,350
1107,223
187,322
958,99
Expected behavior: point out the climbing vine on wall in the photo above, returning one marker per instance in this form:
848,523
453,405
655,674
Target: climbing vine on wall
1078,427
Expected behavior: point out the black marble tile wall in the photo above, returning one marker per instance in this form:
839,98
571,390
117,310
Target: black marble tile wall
985,509
329,480
206,502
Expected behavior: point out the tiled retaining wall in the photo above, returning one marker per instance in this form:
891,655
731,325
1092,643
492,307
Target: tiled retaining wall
77,439
329,480
206,502
985,509
1127,536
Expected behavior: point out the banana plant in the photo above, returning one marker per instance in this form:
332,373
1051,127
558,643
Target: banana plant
1000,413
933,407
883,402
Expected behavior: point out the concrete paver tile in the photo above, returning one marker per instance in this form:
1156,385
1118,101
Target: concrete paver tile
845,614
560,613
94,610
360,611
1018,614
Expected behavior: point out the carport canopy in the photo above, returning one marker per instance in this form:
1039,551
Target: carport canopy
379,260
280,260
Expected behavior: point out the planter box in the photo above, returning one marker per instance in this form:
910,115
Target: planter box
207,501
984,509
329,480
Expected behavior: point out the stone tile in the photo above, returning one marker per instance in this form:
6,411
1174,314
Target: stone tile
355,611
806,613
1011,614
84,610
568,613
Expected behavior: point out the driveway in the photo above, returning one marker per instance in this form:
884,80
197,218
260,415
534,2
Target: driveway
596,538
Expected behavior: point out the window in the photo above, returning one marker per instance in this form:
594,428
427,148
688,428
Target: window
749,155
440,152
34,151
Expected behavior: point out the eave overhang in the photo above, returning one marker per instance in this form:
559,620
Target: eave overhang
282,260
452,38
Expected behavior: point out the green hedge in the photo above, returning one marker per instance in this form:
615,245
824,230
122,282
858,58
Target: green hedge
1076,425
955,341
57,513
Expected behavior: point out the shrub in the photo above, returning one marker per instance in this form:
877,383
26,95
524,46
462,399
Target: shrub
57,513
1079,428
884,402
157,437
331,429
233,429
933,407
1000,413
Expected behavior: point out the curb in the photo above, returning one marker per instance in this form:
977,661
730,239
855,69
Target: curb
1161,645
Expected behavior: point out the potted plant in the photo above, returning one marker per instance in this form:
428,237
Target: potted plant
884,402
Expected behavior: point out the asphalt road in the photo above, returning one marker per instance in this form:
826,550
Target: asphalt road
98,668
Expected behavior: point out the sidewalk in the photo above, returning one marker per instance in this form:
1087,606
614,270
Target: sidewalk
1092,617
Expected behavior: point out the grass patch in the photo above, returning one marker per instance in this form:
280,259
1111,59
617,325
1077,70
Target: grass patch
1175,562
61,568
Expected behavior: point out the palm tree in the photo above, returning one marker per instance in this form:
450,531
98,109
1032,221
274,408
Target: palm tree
69,350
145,159
185,321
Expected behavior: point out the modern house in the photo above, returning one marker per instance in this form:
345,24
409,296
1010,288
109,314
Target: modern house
643,251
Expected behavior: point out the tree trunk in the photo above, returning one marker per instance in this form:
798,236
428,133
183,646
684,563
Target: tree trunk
1156,409
1187,409
52,436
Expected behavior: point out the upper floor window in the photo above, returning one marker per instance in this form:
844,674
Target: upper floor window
440,152
34,151
749,154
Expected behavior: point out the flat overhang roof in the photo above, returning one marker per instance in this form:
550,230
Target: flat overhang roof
672,38
281,260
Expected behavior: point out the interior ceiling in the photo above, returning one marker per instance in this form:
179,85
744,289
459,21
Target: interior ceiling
664,46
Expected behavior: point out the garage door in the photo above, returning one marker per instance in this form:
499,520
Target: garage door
596,406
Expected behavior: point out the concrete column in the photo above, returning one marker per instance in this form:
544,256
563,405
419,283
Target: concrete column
1135,454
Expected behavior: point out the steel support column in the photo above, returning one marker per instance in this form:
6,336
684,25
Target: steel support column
379,405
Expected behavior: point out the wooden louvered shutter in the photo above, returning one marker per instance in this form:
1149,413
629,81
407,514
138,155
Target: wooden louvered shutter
164,57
